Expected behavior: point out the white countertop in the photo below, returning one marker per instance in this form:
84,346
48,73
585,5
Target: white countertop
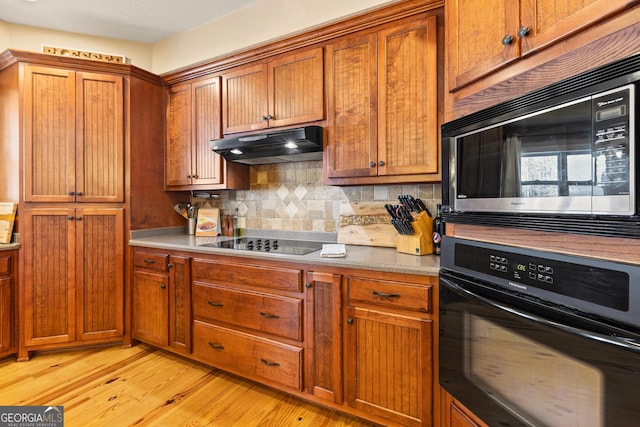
363,257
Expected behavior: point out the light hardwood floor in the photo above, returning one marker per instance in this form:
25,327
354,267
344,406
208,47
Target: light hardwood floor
141,386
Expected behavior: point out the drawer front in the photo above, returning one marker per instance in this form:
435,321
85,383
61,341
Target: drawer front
247,355
272,314
150,260
242,274
390,294
5,265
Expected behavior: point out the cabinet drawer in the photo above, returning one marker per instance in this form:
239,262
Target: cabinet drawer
242,274
247,355
390,294
5,265
150,260
272,314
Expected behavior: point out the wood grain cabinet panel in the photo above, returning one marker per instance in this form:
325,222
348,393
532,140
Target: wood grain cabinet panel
285,91
74,132
161,300
248,355
323,330
272,314
73,288
8,263
193,114
389,349
383,105
485,36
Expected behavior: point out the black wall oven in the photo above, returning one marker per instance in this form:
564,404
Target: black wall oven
531,338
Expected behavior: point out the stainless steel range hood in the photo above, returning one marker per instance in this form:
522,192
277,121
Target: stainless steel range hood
290,145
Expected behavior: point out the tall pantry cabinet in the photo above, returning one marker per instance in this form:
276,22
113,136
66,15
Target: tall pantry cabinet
70,131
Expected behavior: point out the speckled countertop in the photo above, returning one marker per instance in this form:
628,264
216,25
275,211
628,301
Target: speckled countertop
9,246
363,257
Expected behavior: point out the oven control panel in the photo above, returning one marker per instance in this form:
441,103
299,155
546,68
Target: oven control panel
519,272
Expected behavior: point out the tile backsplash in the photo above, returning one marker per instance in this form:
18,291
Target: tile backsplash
292,197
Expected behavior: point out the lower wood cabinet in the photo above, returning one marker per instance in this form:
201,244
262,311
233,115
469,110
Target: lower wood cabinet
8,266
357,341
73,292
161,300
454,414
388,350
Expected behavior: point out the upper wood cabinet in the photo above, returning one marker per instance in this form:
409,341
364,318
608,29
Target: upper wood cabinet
484,36
74,133
287,90
193,115
382,120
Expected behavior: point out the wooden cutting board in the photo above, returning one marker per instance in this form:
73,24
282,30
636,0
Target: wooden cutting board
366,224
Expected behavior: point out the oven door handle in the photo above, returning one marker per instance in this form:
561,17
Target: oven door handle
622,342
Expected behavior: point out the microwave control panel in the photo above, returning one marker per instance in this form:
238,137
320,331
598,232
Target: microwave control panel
612,124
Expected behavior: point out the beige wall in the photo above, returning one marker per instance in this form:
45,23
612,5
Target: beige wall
260,22
23,37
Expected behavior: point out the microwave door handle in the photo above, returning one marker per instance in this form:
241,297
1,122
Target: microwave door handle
622,342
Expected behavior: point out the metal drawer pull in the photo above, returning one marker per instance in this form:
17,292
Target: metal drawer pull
266,362
214,304
216,346
149,261
269,316
385,295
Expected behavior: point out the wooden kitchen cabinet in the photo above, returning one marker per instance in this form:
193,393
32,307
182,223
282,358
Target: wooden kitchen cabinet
193,119
454,414
485,36
74,132
286,90
8,290
248,320
323,330
382,116
161,305
73,288
389,350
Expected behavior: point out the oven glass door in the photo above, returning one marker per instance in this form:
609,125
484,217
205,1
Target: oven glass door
516,363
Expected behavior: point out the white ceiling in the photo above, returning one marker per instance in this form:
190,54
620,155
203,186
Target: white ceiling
137,20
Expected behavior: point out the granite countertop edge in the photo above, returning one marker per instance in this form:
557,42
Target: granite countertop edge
361,257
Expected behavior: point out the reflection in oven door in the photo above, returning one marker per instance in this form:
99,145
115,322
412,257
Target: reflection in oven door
516,362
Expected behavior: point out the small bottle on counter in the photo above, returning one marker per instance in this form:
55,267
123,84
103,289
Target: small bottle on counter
438,230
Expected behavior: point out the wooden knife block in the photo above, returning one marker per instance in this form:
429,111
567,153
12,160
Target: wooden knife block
421,241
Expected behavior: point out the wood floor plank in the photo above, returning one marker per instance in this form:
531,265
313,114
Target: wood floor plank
141,386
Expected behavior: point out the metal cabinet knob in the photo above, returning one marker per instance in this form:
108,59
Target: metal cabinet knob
507,40
523,31
350,321
372,164
381,163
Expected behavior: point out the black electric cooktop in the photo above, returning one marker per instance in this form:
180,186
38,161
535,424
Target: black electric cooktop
261,244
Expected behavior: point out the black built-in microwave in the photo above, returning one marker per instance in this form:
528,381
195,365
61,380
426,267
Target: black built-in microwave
551,159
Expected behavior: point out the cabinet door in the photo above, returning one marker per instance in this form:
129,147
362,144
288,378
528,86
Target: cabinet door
475,35
352,107
180,304
549,21
50,276
245,103
207,125
296,88
150,307
99,138
100,264
323,331
49,135
389,360
6,300
178,136
408,110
